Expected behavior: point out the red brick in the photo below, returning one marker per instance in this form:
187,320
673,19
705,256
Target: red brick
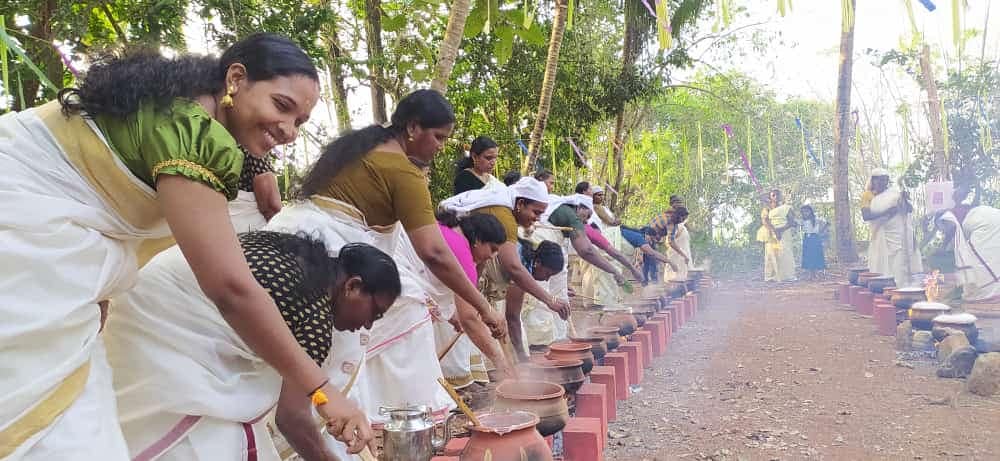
455,446
590,403
885,319
606,375
843,293
678,313
852,291
863,302
658,331
619,361
635,364
445,458
582,440
645,338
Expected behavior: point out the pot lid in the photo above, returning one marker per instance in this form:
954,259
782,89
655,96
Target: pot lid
910,290
884,277
956,319
858,269
505,422
929,306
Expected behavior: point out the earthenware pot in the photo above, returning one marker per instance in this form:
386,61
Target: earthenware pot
904,297
692,284
852,274
878,285
504,436
864,277
922,314
572,351
542,398
566,373
696,274
610,335
625,321
966,323
677,288
597,345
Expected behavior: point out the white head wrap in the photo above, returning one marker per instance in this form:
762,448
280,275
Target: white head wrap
880,172
464,203
529,188
556,201
596,190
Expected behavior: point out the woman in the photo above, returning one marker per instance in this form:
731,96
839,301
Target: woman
813,231
641,241
542,260
606,290
519,205
210,390
547,178
367,186
476,170
143,143
474,239
778,219
679,243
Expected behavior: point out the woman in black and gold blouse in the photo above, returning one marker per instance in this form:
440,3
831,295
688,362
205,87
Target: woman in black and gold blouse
178,362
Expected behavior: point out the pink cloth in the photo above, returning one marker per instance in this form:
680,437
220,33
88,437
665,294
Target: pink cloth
463,252
596,237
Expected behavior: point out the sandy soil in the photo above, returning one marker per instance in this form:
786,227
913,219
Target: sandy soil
782,372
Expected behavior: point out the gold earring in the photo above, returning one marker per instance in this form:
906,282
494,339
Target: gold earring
227,100
410,138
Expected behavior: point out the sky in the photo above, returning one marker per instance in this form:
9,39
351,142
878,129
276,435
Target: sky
803,62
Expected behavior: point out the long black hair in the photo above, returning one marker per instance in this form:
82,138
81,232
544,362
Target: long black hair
511,177
116,86
543,174
548,254
377,270
582,187
426,108
477,227
479,145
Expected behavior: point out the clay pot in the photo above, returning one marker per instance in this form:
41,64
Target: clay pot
566,373
903,298
597,346
692,284
878,285
542,398
696,274
677,288
852,274
610,335
864,277
966,323
506,436
922,314
572,351
625,322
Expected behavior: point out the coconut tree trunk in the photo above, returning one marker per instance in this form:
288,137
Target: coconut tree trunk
373,34
450,45
335,70
934,109
548,83
841,194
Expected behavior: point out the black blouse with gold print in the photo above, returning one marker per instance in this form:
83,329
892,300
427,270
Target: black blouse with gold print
308,315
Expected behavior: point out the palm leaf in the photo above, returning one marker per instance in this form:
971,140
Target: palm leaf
12,44
3,59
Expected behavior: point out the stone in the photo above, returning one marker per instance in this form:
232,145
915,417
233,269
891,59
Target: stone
959,363
984,379
904,336
951,344
922,341
940,333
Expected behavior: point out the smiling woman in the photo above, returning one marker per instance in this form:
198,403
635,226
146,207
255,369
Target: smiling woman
146,146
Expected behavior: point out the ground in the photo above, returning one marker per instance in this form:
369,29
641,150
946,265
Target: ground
783,372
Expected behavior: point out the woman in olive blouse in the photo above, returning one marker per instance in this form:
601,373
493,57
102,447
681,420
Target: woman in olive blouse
144,142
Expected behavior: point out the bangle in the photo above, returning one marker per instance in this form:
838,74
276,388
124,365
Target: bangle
325,381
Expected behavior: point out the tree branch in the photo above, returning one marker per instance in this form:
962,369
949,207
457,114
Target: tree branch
114,24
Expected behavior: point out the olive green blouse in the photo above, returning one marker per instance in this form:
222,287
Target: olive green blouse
180,140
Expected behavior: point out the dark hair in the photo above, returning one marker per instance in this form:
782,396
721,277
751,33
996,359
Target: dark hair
377,270
426,108
550,255
511,177
116,86
479,145
811,211
476,227
582,187
542,175
680,214
676,199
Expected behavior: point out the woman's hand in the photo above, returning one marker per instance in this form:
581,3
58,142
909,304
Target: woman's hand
559,306
455,323
345,421
635,272
496,323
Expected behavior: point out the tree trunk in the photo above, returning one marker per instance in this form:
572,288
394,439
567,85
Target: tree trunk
337,86
934,109
42,53
629,51
450,45
373,33
842,133
548,83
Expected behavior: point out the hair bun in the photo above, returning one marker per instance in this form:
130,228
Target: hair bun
466,146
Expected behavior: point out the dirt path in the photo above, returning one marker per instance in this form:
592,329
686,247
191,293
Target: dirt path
784,373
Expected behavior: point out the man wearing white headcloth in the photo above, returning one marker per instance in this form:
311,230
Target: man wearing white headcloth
976,234
892,250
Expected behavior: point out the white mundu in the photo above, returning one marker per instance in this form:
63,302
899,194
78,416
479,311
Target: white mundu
892,250
977,253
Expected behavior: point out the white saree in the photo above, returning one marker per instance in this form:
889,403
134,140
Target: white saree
401,366
541,326
892,250
71,218
779,260
683,240
977,253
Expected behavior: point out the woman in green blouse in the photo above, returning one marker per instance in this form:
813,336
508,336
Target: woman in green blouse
146,146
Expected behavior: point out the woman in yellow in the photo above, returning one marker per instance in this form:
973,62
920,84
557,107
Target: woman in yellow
368,187
778,222
143,143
